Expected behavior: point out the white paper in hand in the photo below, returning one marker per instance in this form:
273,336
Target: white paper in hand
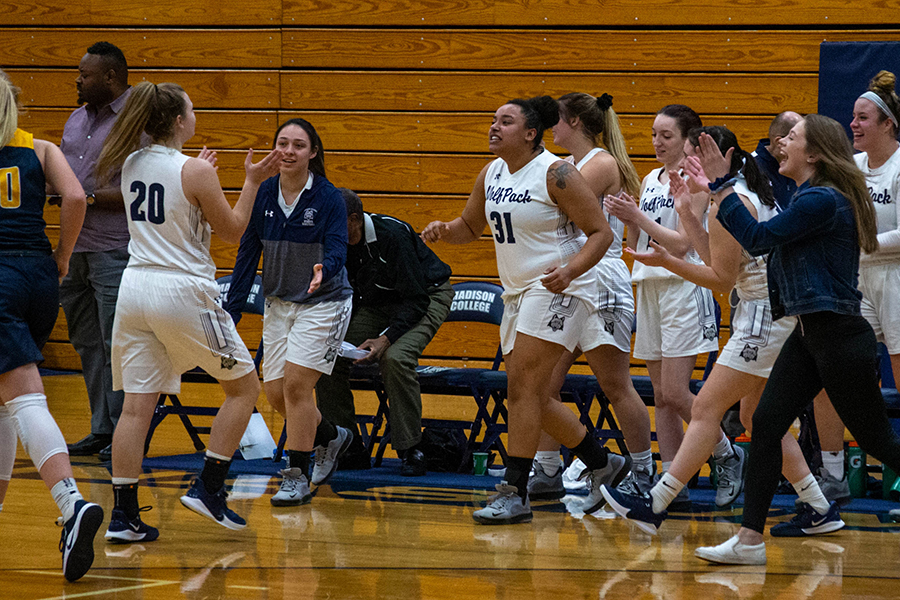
350,351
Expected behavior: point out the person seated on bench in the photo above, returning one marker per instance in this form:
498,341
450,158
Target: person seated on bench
401,295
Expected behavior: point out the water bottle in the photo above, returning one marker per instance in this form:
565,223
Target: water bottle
857,476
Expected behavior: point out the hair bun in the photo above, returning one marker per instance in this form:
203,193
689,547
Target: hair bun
883,82
548,109
604,102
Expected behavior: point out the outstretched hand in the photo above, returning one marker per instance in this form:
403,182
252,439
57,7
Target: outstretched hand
655,255
434,231
715,165
267,167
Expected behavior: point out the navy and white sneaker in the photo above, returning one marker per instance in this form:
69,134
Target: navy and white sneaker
212,506
77,540
123,530
638,509
326,462
808,521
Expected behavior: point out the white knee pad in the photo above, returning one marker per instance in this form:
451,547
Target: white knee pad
7,444
39,433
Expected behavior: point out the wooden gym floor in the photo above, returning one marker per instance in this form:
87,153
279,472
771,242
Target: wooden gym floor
405,541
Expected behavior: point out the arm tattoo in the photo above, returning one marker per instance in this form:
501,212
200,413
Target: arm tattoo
561,173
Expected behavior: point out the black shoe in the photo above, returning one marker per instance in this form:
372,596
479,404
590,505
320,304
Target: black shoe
413,463
106,453
92,444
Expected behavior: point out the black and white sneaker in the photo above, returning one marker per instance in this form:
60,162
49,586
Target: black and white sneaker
123,530
77,540
808,521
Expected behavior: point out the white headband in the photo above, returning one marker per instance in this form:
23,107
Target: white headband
877,101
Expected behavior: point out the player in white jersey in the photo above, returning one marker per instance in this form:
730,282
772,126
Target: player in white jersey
676,319
876,114
589,128
746,361
168,318
537,206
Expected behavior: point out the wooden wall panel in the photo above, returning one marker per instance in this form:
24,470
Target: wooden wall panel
468,132
735,93
584,13
214,89
392,173
177,13
179,48
573,50
215,129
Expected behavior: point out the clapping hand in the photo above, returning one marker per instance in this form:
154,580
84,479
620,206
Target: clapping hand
623,207
655,255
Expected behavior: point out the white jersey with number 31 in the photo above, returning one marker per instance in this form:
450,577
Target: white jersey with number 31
531,234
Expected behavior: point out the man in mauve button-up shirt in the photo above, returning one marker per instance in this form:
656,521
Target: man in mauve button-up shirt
88,293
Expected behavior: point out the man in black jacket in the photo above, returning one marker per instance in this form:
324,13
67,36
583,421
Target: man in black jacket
401,295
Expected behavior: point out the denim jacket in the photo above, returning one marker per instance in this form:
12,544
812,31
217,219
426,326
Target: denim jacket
813,250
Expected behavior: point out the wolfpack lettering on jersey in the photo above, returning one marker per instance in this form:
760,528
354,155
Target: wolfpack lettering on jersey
657,203
531,234
884,187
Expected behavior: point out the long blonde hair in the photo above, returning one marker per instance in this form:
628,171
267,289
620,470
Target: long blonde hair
600,124
835,167
151,108
9,109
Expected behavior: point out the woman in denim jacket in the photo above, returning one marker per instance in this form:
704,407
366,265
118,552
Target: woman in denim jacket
813,248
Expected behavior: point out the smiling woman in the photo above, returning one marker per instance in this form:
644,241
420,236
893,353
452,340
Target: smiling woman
537,207
876,119
168,320
299,225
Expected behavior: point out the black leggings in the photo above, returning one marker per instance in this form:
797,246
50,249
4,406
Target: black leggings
837,352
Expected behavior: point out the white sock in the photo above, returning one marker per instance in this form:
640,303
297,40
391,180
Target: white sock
723,448
549,461
810,492
212,454
642,461
833,462
124,480
66,494
665,491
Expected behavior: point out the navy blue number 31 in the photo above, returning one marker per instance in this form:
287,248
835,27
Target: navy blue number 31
155,202
505,234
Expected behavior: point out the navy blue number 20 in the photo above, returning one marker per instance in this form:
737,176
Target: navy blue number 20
503,235
155,202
